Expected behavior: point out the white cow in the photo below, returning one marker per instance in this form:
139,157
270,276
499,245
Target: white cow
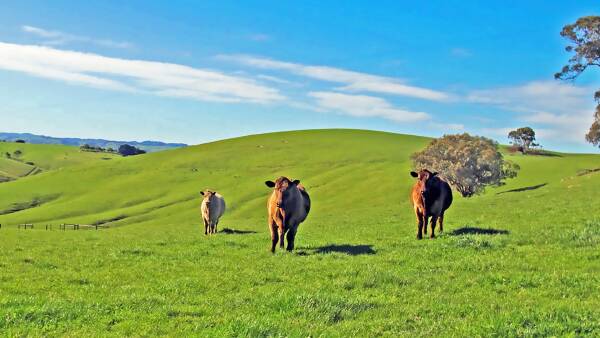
213,207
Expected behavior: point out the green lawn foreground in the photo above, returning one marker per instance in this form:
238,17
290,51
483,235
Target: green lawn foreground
512,262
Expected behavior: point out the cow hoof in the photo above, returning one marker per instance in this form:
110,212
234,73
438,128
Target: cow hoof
419,237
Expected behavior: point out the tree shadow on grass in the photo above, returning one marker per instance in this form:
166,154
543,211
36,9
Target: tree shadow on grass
478,231
228,231
587,171
348,249
533,187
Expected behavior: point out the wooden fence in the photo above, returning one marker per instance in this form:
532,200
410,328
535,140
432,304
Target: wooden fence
62,226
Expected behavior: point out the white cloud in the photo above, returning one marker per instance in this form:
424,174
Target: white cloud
165,79
364,106
351,81
557,110
56,38
273,79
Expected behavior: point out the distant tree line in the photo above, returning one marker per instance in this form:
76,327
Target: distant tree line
87,147
124,150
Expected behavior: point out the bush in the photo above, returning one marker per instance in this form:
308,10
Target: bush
468,163
127,150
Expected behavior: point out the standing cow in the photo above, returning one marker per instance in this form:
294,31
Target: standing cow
213,207
288,206
431,197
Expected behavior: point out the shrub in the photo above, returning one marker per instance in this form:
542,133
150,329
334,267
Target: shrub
127,150
468,163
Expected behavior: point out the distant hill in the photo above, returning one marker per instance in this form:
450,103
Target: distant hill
148,146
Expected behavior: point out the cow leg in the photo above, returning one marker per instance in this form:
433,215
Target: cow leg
441,223
281,228
281,233
216,224
425,220
205,226
419,224
291,236
433,222
274,235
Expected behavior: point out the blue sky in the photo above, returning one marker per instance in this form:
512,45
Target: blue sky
192,72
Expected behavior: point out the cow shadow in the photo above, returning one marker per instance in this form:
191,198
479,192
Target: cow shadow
348,249
228,231
477,231
533,187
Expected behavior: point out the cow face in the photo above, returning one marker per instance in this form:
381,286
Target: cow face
208,196
424,179
282,188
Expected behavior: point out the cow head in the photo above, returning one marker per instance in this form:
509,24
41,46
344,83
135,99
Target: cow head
424,177
282,188
208,196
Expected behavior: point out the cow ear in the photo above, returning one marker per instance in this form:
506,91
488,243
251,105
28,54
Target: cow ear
202,193
434,174
414,174
270,184
296,182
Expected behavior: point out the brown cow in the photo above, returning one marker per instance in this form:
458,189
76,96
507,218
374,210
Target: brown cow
431,197
288,206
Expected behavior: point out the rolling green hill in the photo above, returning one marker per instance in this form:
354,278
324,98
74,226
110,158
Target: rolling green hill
521,259
11,170
51,156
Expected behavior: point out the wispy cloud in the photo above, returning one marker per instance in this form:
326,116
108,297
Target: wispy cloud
259,37
351,81
561,110
460,52
56,38
273,79
364,106
448,127
164,79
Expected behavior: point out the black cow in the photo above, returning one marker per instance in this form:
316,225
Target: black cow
431,197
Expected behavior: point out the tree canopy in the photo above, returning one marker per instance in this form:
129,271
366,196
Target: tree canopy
523,137
468,163
584,36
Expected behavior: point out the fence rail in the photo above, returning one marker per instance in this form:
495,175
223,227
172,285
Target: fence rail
62,226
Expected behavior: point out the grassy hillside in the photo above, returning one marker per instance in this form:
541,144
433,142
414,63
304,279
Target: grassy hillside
50,156
11,169
521,259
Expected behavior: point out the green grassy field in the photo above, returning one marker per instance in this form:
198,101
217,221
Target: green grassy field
520,260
